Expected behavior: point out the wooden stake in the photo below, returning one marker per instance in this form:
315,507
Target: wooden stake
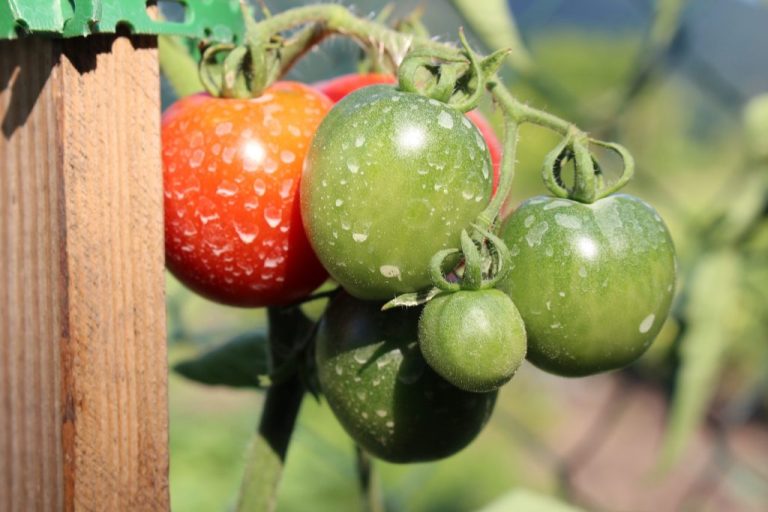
83,369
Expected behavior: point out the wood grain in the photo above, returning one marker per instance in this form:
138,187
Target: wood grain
83,400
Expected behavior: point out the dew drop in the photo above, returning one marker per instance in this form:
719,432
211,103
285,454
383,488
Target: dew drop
273,216
197,158
445,120
647,323
568,221
188,228
229,154
273,262
529,220
360,237
390,271
270,166
259,186
226,189
206,210
285,188
359,141
287,156
536,233
223,128
353,167
246,233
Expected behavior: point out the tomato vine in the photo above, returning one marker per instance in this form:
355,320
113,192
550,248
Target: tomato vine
451,77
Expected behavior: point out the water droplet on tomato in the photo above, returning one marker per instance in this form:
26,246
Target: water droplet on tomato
390,271
228,155
270,166
259,186
226,189
285,188
197,158
206,210
287,156
273,216
647,323
247,233
223,128
445,120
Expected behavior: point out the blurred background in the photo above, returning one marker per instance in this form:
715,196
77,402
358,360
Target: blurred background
684,85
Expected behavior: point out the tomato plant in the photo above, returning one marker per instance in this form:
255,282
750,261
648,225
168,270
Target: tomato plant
390,179
232,167
475,339
338,87
593,282
381,390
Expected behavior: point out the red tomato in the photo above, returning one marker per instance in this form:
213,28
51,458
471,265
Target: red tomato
338,87
233,231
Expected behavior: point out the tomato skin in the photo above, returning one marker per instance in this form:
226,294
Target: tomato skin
473,339
383,393
390,179
593,282
338,87
233,231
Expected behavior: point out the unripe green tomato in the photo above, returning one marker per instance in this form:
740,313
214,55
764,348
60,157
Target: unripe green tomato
474,339
390,179
593,282
383,393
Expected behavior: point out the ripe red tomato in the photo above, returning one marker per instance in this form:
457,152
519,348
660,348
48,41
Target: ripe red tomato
233,231
338,87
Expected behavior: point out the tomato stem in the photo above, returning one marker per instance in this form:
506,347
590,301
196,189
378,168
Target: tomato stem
288,327
369,484
508,155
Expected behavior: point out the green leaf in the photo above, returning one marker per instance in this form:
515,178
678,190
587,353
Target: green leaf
713,307
242,362
525,500
178,66
412,299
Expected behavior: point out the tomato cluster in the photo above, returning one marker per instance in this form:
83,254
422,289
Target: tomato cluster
266,197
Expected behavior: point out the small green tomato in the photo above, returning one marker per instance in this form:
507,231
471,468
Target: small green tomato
474,339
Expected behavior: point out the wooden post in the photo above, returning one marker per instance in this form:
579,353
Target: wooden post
83,369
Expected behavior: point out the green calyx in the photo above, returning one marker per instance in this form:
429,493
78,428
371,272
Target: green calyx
589,182
486,261
457,77
479,264
245,70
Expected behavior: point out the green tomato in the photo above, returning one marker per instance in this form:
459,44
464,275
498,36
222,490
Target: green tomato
474,339
390,179
385,396
593,282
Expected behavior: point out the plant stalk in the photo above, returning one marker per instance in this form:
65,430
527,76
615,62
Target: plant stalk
369,484
264,465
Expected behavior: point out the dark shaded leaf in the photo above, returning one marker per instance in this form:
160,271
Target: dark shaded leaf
242,362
